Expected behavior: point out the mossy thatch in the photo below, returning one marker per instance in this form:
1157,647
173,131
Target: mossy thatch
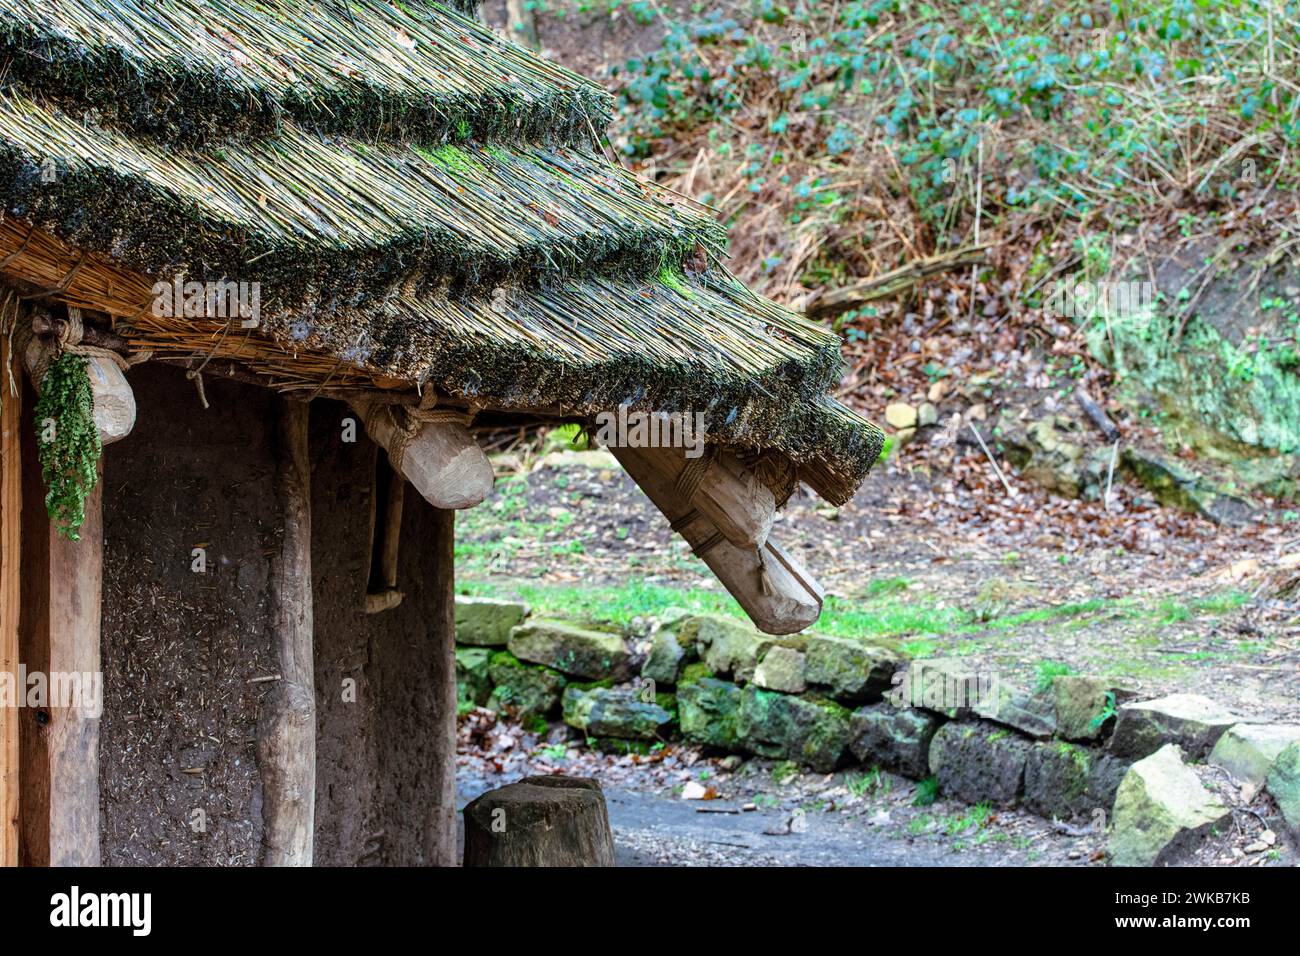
337,220
412,195
197,70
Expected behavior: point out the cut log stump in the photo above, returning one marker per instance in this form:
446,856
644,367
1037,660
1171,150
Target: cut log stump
540,821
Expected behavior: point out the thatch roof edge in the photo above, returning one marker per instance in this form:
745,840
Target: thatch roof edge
179,97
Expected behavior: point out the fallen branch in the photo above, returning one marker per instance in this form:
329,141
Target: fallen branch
894,282
1097,415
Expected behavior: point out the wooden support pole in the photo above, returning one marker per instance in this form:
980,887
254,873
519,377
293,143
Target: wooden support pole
440,823
59,622
394,502
386,538
287,732
11,507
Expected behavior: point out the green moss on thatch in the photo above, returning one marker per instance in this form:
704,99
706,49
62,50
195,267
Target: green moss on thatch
673,279
338,221
757,373
191,72
452,159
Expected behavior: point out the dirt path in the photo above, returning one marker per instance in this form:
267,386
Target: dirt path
658,828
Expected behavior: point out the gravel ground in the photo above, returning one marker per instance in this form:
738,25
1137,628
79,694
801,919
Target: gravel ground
762,813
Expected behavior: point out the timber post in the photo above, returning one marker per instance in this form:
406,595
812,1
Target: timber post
11,505
287,733
440,824
59,632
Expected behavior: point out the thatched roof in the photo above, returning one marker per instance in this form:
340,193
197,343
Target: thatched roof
419,200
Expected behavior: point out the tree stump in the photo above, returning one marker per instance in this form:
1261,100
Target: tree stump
540,821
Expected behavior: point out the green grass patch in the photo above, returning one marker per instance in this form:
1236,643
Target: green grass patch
885,586
882,616
1047,671
927,791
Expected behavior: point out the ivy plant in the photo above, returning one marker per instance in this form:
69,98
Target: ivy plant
68,442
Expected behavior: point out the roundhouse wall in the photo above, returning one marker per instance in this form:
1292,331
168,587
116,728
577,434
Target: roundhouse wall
185,653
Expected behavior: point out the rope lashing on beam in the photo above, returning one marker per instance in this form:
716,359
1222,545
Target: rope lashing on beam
408,421
688,483
705,546
67,338
692,476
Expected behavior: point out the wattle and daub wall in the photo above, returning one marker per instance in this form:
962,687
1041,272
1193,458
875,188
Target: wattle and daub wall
185,652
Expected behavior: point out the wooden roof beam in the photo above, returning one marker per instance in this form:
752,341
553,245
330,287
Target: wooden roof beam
434,450
774,589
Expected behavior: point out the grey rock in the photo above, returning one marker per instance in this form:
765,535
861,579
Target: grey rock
1248,751
522,690
666,660
473,681
811,732
979,762
1193,722
1064,780
1032,714
708,710
781,668
487,622
572,650
1284,784
853,670
729,647
898,739
1162,810
615,712
1086,707
951,686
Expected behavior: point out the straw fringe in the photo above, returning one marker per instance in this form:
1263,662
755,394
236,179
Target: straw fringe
553,349
315,220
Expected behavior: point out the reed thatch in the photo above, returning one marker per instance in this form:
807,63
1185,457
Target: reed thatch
336,221
412,196
197,70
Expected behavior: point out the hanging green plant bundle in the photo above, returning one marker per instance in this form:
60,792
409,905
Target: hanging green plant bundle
68,442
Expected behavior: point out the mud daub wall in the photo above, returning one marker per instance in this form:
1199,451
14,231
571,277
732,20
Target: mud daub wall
183,651
374,788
